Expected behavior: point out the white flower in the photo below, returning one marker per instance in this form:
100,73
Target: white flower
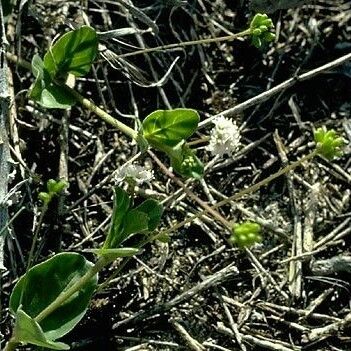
224,137
138,173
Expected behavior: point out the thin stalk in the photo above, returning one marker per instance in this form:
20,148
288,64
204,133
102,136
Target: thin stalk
187,43
88,104
35,236
246,191
18,61
144,242
103,285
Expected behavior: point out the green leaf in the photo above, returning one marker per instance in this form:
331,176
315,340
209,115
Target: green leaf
45,92
153,209
143,218
112,254
120,208
28,331
169,127
74,53
45,282
135,222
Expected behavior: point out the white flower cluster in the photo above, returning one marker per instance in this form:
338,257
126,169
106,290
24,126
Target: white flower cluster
224,137
137,173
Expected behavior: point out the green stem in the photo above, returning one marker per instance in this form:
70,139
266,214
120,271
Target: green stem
188,192
102,114
187,43
34,241
267,180
65,295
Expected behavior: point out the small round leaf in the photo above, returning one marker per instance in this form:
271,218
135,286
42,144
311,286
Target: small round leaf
169,127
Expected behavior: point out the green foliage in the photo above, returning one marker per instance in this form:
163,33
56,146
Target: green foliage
246,234
54,188
153,210
73,53
135,222
28,331
127,221
43,283
328,143
44,91
168,131
260,27
169,127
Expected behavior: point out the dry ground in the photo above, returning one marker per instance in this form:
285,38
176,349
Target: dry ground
196,292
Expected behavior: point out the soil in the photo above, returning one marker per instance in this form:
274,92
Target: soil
259,306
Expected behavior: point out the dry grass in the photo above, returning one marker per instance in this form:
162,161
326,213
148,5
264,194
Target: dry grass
196,292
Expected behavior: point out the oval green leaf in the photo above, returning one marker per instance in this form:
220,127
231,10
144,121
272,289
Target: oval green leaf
169,127
74,53
45,282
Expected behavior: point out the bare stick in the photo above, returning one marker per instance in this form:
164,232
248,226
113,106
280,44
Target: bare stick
4,146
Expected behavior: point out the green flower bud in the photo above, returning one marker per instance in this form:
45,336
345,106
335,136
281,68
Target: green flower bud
56,187
328,143
260,27
268,37
44,197
185,161
256,32
50,185
60,186
246,234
